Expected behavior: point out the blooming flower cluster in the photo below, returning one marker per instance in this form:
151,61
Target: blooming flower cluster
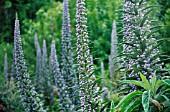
140,46
64,99
37,78
38,55
6,75
30,98
67,65
85,65
46,71
113,60
43,78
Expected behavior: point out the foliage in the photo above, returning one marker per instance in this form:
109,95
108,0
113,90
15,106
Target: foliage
164,15
25,8
48,27
153,94
10,97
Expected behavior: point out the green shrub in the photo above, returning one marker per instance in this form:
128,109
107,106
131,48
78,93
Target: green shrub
10,97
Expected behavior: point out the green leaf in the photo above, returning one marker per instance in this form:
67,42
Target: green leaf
167,81
158,84
151,33
165,91
130,44
165,97
133,105
145,17
129,55
145,100
7,4
138,83
145,81
130,101
112,107
95,82
128,98
148,7
155,27
105,106
163,39
156,56
166,102
153,83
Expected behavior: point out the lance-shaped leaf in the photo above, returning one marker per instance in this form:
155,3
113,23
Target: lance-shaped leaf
145,100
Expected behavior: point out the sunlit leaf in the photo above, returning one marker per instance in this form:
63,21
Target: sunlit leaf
145,81
145,100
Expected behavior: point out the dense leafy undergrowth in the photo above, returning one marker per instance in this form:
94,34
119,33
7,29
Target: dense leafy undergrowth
137,79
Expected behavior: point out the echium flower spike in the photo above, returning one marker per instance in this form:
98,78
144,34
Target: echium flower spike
67,65
103,74
64,100
30,99
44,49
44,68
38,59
113,60
6,75
45,78
38,54
140,46
85,66
44,54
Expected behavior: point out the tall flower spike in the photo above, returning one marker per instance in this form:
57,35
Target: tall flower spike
30,99
106,92
113,60
6,77
64,100
102,74
85,66
38,55
140,50
43,78
46,76
67,65
38,60
44,55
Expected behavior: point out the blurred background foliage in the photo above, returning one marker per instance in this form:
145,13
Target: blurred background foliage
44,17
